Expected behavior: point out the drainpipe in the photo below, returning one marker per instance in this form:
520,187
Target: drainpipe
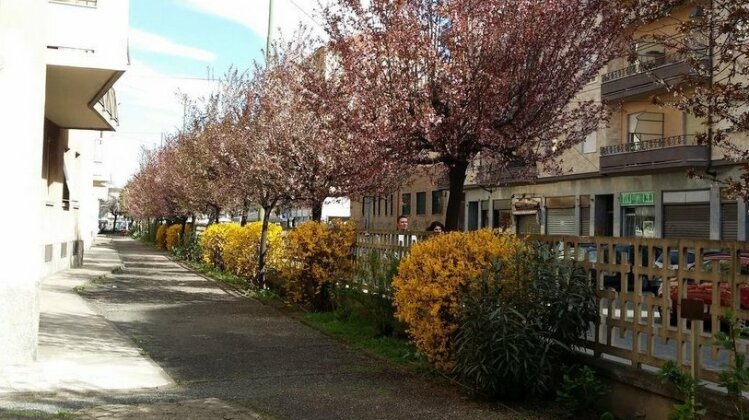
710,47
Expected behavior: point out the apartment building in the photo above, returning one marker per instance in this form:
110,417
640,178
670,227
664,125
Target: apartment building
59,60
423,199
628,178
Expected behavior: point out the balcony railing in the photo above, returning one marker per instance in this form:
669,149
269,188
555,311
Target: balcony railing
108,103
643,64
667,153
673,141
86,3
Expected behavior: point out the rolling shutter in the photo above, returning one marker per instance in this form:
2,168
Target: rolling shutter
528,225
585,221
561,222
729,215
687,221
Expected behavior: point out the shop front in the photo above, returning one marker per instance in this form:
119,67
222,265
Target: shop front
638,214
526,212
686,214
560,216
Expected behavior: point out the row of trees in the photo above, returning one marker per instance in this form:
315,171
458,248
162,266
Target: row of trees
397,84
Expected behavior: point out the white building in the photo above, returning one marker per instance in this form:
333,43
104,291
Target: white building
58,62
332,209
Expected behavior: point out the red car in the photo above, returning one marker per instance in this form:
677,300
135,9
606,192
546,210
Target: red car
704,291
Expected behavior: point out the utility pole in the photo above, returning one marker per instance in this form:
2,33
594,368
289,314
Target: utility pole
260,210
270,31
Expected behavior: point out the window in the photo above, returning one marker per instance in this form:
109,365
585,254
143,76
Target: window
589,143
484,213
644,126
421,203
437,202
639,222
406,204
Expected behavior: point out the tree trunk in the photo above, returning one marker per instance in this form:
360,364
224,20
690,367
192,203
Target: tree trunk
114,224
153,228
457,174
263,250
213,218
317,211
182,232
245,210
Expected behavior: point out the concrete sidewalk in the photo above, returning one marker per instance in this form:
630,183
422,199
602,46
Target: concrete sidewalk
79,350
226,356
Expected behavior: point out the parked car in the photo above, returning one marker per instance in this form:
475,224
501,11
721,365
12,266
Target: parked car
625,254
704,290
673,263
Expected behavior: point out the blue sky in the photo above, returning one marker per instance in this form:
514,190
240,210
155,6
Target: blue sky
231,42
174,46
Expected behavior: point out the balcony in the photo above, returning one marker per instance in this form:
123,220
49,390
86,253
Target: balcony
107,107
513,173
646,76
87,52
658,154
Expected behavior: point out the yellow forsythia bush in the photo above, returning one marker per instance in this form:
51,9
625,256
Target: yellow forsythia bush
240,254
173,235
161,236
430,279
316,255
213,241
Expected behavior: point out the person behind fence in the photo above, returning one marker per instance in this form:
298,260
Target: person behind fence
402,222
404,240
436,227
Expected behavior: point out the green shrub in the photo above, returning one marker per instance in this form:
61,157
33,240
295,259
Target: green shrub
736,378
370,295
688,387
520,326
581,393
190,249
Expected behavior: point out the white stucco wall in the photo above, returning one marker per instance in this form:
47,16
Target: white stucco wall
22,83
94,37
336,207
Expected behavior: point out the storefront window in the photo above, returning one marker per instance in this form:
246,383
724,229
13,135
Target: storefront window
639,221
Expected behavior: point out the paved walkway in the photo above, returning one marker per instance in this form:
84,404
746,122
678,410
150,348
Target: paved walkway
232,357
79,350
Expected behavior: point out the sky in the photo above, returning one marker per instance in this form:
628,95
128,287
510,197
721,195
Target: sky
183,47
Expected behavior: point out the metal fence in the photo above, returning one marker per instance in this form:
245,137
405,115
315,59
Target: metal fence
639,286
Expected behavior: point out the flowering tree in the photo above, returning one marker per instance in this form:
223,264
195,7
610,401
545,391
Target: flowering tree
197,170
143,190
714,39
113,207
254,131
323,157
447,81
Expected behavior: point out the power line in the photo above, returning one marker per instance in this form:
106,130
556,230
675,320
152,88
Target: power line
293,3
148,76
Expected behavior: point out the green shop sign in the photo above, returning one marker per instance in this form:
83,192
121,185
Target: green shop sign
637,199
